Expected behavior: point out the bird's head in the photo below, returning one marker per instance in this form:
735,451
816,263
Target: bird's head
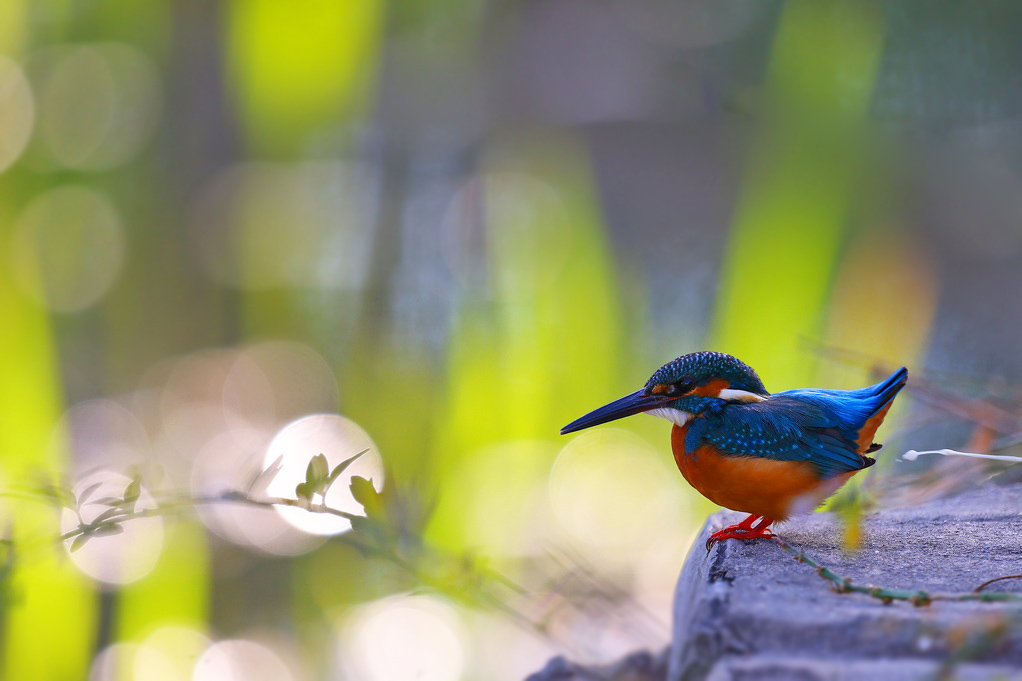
683,388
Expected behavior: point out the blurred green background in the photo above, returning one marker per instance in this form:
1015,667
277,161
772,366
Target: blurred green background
441,230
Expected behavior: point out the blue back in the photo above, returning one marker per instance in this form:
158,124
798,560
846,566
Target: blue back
818,426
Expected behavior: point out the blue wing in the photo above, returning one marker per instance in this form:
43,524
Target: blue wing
820,427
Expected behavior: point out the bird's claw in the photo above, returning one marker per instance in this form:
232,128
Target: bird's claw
736,532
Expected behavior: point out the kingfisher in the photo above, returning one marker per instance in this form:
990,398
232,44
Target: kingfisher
769,455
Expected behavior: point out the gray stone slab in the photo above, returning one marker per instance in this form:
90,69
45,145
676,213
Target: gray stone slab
775,668
641,666
748,610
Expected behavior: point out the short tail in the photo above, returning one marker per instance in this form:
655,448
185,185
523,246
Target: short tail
885,391
881,397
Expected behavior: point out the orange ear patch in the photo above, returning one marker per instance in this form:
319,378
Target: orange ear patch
712,388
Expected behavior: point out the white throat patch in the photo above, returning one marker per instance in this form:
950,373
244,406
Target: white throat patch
675,416
739,396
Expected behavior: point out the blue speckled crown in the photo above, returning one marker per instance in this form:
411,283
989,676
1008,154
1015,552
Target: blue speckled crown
704,366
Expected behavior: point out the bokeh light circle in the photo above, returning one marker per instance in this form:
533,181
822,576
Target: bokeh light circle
504,650
110,663
404,637
102,433
68,248
240,660
230,461
505,486
612,491
337,438
119,558
187,407
275,382
169,654
238,231
17,112
98,104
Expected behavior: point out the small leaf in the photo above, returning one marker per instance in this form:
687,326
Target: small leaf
108,530
109,501
340,468
87,492
107,514
304,491
132,492
363,492
79,541
61,495
317,471
261,482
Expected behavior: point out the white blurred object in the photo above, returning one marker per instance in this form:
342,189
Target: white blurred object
912,455
240,660
413,638
168,654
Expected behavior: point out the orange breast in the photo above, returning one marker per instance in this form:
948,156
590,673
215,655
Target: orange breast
775,489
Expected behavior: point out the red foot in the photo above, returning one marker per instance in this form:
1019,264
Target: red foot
743,530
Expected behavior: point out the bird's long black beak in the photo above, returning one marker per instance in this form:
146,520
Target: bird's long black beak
635,403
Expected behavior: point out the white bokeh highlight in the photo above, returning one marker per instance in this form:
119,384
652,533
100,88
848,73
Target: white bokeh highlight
337,438
168,654
240,660
225,462
413,638
120,558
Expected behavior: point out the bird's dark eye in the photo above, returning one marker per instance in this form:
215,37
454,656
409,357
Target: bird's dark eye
679,388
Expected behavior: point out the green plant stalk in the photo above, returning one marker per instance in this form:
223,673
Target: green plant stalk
474,594
185,503
916,597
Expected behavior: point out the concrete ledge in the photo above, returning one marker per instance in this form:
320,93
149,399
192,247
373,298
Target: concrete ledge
747,610
768,668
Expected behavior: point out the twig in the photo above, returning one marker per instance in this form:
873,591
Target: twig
165,506
474,592
995,579
916,597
